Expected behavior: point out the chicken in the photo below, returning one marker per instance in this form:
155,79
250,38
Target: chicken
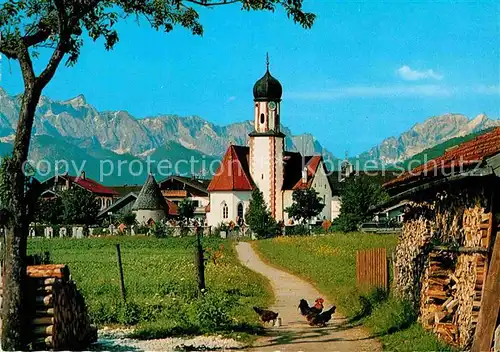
265,315
310,312
322,318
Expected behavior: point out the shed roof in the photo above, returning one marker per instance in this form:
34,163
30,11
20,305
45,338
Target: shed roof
461,158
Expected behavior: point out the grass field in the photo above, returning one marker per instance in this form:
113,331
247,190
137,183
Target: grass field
162,296
329,262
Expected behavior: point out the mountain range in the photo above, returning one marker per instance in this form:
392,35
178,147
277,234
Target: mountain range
75,130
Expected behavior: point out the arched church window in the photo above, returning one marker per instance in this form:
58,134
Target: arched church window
240,210
262,118
225,211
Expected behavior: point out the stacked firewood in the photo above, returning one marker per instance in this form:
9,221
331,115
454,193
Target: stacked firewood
438,299
476,225
409,258
59,318
451,297
471,274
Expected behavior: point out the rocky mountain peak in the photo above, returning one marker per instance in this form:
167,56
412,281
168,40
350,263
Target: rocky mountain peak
77,101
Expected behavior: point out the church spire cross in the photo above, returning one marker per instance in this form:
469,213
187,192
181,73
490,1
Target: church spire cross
267,61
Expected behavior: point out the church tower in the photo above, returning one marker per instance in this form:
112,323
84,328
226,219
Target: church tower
267,142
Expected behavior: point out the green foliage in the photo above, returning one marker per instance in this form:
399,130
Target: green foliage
49,211
51,24
259,218
162,293
359,193
213,312
306,205
391,319
129,218
186,210
158,230
390,316
79,206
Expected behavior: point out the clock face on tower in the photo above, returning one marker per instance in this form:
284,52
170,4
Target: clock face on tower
271,105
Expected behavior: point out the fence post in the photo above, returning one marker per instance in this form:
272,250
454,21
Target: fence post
120,266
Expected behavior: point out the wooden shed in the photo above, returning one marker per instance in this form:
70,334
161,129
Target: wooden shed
448,256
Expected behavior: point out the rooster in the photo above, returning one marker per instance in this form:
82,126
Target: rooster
322,318
265,315
310,312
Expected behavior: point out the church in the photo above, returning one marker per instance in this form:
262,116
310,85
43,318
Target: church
265,164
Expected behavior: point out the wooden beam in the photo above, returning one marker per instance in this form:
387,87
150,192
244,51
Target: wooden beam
490,305
460,249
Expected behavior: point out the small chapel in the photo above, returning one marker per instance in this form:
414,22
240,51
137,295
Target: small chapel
265,164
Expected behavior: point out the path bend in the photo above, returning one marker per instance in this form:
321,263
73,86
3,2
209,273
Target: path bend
295,334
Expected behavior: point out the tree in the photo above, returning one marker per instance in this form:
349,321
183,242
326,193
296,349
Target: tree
358,194
306,205
57,27
79,206
259,218
186,210
49,211
129,218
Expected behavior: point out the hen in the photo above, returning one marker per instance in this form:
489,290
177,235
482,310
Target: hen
322,318
310,312
265,315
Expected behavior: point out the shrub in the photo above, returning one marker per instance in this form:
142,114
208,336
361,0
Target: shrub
158,230
212,312
390,316
141,229
130,314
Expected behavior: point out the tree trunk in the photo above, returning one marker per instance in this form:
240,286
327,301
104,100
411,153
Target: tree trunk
14,329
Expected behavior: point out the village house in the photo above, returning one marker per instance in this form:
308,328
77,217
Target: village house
177,188
265,164
143,201
447,261
59,183
174,189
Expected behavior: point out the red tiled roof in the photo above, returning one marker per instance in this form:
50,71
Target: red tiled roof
312,167
233,174
467,154
92,186
172,208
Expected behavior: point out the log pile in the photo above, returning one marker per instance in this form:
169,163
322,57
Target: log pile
59,319
453,281
441,261
410,259
451,295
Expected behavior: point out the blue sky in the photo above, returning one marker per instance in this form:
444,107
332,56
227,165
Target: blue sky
365,71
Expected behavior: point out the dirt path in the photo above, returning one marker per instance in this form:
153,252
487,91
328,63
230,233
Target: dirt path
295,335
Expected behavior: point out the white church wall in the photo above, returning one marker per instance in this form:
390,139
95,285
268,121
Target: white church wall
229,198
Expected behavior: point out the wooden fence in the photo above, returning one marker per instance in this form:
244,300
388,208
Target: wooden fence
372,268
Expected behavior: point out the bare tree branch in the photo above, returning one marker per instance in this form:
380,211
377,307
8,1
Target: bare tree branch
58,54
26,64
40,36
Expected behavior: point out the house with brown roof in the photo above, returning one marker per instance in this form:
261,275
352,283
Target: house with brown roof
265,164
449,247
58,183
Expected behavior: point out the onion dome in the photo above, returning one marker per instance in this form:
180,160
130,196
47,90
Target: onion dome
267,88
